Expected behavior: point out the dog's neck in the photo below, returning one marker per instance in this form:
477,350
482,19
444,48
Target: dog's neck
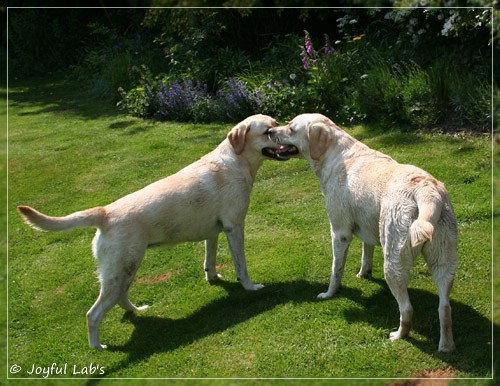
228,157
343,147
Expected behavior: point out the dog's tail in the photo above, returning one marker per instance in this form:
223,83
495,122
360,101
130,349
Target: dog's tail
93,217
429,199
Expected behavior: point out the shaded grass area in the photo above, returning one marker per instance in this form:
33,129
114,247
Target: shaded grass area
68,152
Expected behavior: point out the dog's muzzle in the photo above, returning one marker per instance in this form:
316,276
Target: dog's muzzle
283,152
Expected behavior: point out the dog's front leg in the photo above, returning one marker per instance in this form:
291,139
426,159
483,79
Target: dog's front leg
235,237
341,241
210,256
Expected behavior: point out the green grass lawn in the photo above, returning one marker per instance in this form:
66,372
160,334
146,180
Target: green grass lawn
68,152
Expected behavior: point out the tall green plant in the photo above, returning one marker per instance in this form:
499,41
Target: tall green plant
470,98
419,101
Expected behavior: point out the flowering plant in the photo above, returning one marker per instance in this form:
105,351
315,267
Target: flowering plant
310,57
176,99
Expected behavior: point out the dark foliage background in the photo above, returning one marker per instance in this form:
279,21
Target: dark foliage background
410,66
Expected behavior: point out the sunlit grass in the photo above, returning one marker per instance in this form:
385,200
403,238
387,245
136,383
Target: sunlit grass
68,153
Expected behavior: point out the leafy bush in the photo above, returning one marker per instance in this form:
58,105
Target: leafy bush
351,83
418,99
361,76
412,95
379,91
140,100
175,99
187,100
470,99
382,64
238,100
334,77
110,61
282,98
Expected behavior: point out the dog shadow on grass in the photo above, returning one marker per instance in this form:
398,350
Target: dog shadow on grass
153,334
473,332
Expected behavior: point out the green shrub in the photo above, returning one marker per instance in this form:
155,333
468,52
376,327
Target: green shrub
380,93
418,99
410,94
208,109
282,98
140,101
470,98
137,101
110,59
353,82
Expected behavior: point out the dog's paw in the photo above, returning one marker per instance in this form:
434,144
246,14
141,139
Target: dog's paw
446,347
395,335
365,275
253,287
213,278
142,308
324,295
99,347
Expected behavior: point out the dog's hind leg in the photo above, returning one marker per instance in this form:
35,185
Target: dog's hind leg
130,269
124,301
397,277
106,300
399,256
446,343
118,264
114,290
442,260
398,260
127,305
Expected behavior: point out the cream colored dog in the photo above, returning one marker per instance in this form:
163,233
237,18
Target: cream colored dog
197,203
370,195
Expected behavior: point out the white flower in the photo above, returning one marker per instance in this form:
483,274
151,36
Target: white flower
293,76
364,76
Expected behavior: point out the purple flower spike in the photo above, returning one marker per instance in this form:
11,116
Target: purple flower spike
305,62
308,45
329,50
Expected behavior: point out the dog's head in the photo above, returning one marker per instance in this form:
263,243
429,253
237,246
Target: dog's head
251,137
305,136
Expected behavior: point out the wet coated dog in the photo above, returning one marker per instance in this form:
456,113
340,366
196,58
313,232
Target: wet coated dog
368,194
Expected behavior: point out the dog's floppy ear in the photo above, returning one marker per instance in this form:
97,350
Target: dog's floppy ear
320,138
237,137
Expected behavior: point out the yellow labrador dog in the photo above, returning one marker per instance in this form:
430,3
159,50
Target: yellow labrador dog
197,203
370,195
